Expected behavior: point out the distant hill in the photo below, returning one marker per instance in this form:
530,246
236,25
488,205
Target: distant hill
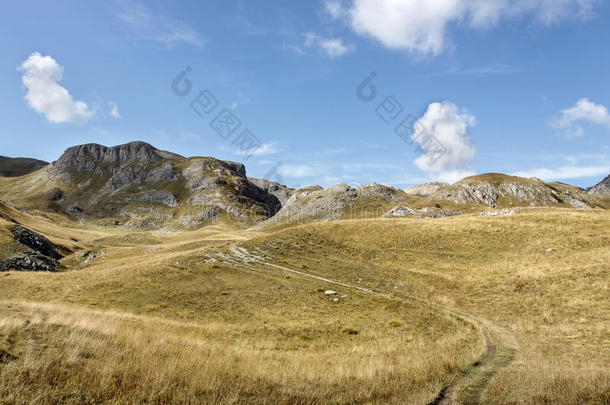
15,167
425,189
340,201
500,190
601,188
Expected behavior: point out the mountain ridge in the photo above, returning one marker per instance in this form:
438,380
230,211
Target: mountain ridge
19,166
601,188
139,186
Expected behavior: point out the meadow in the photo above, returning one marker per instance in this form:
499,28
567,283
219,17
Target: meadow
465,309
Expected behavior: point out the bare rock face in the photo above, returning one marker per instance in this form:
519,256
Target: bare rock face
28,262
425,189
495,190
399,212
338,201
159,197
90,156
35,242
37,252
602,188
137,185
427,212
281,192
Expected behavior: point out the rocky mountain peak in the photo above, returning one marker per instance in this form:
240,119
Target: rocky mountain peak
602,188
89,156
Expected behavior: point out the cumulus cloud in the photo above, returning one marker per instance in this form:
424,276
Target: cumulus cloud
442,135
417,25
584,111
41,77
422,25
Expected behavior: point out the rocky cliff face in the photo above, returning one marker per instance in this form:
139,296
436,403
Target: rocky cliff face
499,190
280,191
137,185
602,188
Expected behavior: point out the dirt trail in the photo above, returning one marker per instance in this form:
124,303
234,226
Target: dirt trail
468,388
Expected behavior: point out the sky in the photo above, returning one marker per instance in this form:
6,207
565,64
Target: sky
396,92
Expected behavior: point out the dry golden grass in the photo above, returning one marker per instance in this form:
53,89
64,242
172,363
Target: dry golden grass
151,321
550,306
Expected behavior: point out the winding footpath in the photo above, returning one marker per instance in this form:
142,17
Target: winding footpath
468,387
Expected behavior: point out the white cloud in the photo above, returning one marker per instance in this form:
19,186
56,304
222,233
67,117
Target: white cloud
416,25
114,110
441,133
334,8
158,25
296,171
569,120
269,148
41,77
333,47
565,172
265,149
355,167
422,25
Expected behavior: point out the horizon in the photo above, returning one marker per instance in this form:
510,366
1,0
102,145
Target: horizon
509,90
352,184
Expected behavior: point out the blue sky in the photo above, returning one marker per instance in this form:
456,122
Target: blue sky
513,86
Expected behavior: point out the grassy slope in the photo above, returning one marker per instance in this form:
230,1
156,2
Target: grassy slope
150,321
552,305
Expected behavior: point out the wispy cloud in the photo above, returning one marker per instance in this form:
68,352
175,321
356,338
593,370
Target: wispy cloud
332,47
269,148
359,166
241,99
157,25
565,172
482,71
113,109
297,171
573,166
